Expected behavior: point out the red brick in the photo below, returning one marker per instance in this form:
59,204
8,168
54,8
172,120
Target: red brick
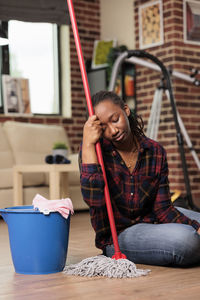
37,120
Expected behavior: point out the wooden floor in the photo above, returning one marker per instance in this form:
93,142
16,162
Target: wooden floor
162,283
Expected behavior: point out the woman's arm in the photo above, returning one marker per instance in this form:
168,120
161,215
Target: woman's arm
92,132
91,177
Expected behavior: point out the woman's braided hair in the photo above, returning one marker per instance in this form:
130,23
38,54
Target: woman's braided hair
135,121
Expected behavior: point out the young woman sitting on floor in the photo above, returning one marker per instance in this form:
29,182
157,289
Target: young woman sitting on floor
150,229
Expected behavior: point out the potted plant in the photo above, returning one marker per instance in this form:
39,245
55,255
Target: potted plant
60,148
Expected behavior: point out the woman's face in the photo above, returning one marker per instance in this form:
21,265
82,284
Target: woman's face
114,121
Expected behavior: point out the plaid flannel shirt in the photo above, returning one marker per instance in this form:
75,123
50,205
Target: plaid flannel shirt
142,196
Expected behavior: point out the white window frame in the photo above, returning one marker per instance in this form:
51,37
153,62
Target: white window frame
62,88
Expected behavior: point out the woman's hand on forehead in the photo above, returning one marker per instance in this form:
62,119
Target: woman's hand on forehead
92,130
94,118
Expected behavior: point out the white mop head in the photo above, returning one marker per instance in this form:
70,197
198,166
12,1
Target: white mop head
105,266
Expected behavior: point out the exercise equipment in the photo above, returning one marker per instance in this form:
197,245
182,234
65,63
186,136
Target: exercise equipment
154,120
134,57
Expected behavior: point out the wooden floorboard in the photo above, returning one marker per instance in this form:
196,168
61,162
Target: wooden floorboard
162,283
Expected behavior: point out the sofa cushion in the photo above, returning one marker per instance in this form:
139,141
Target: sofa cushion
6,178
6,156
30,144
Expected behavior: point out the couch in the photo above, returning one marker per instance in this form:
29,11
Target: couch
27,143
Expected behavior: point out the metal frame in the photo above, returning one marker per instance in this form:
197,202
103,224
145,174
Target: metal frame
134,56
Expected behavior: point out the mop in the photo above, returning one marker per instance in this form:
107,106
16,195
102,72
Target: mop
117,266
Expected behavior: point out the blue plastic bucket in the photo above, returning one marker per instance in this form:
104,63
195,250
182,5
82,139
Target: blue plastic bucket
38,242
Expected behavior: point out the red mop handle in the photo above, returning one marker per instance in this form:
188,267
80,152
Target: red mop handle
118,253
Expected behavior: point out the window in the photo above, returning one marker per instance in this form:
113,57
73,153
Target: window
33,54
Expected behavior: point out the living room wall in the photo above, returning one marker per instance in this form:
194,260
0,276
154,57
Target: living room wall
182,57
173,53
93,17
88,20
117,21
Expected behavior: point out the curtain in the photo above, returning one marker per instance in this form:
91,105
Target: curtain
50,11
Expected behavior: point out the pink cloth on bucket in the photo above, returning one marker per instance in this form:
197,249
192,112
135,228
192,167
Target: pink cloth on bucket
63,206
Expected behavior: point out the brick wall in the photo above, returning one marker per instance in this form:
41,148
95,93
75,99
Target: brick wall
174,53
88,20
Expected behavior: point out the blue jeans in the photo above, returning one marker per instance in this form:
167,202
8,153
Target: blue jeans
161,244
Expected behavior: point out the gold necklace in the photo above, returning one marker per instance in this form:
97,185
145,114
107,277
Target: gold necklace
131,160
